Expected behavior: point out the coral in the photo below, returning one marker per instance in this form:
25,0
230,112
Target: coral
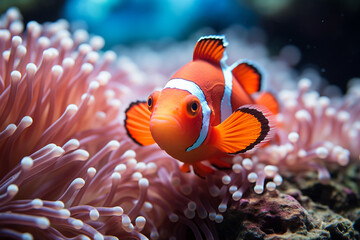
68,170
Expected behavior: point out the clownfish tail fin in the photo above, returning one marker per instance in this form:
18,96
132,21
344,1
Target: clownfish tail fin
249,127
137,123
211,49
268,100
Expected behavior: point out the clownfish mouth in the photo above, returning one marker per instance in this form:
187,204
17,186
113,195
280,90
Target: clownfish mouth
165,129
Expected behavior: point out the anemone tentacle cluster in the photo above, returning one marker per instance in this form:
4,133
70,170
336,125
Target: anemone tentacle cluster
68,170
315,130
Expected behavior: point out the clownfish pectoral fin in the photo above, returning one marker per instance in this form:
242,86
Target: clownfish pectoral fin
210,49
185,167
268,100
199,169
248,76
202,170
248,127
137,123
219,164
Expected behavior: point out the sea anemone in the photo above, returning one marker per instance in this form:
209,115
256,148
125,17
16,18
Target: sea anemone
315,130
68,169
66,163
59,119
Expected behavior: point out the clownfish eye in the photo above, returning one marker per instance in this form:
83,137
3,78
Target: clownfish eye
193,106
151,101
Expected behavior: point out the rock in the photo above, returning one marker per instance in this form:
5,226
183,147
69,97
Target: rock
260,216
341,230
304,210
275,216
336,195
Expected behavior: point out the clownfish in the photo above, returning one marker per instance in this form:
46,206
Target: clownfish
205,111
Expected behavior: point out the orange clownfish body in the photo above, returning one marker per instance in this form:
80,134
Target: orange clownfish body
205,110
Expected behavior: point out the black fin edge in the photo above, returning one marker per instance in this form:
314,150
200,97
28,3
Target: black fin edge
220,168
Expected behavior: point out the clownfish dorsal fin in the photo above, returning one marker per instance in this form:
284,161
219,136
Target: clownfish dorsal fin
248,76
210,48
137,123
248,127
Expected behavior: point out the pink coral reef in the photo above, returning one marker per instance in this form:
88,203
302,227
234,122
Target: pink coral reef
68,170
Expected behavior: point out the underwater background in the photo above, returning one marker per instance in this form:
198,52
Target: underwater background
70,68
